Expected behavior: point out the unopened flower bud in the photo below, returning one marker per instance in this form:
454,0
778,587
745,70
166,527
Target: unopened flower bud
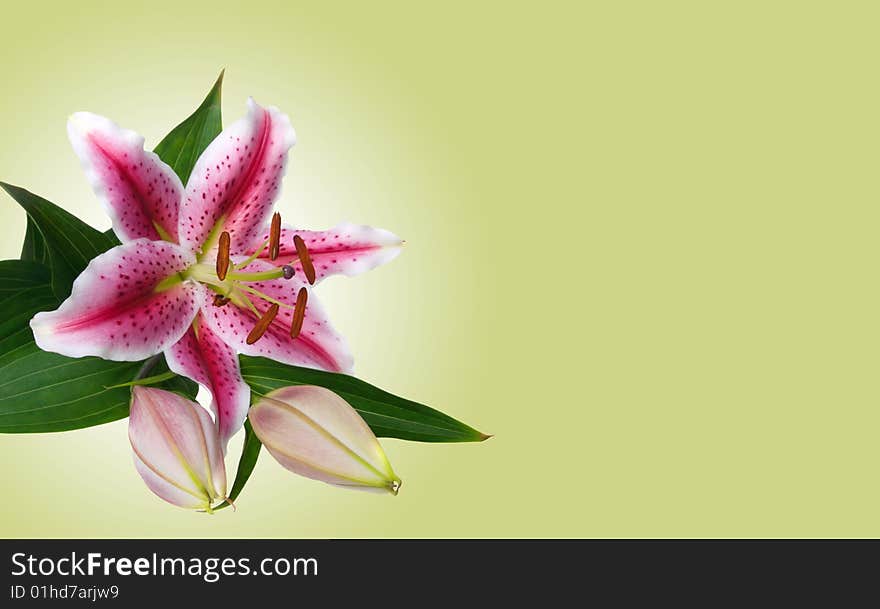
315,433
176,449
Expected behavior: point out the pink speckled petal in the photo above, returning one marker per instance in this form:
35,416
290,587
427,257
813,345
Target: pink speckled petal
318,345
347,249
176,448
236,180
115,310
202,356
140,193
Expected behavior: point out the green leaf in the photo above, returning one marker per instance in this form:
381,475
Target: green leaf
387,415
249,453
112,238
42,391
182,147
24,290
69,242
34,248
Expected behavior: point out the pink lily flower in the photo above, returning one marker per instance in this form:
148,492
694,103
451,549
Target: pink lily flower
198,275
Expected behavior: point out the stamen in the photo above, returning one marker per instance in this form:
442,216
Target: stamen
262,325
220,300
302,253
265,297
275,236
288,271
252,257
299,312
239,295
223,256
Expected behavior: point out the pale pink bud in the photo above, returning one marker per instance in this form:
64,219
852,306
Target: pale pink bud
315,433
176,449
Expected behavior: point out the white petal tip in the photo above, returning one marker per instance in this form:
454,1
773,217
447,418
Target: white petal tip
278,115
81,123
41,327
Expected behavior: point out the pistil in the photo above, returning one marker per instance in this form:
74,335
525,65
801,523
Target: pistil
259,276
265,297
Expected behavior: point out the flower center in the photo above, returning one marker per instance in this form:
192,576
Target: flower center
231,283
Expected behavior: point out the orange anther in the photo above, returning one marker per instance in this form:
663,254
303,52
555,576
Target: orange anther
299,312
262,325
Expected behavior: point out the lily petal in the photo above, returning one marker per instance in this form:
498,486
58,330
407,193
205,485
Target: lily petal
166,490
236,180
202,356
318,344
140,193
347,249
118,310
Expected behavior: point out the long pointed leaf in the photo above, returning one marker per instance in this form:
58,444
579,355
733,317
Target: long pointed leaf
70,242
34,247
386,414
182,147
249,454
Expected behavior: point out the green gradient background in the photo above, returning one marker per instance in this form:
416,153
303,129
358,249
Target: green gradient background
641,251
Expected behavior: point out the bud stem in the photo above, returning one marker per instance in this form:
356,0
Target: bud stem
149,380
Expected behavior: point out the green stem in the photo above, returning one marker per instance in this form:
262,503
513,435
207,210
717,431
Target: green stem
149,380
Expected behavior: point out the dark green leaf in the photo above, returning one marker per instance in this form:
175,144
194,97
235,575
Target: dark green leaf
34,247
249,453
24,290
41,391
112,238
70,242
182,147
386,414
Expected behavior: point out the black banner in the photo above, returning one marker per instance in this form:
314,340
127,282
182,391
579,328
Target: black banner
132,572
